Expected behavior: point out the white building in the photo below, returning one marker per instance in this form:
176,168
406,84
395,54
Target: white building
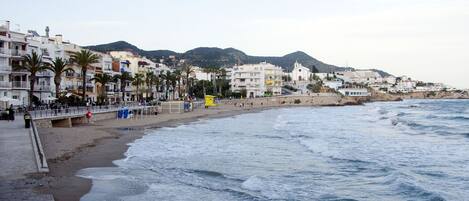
300,73
360,76
354,92
14,84
257,79
333,84
200,74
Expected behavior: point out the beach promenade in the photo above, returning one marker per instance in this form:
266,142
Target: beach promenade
18,163
16,150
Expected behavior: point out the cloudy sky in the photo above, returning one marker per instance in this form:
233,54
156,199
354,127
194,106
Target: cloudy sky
425,39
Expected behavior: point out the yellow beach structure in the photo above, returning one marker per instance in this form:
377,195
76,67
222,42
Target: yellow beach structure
209,101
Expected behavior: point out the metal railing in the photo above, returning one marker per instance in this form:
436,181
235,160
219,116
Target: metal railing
4,51
5,67
5,84
42,88
19,84
82,110
15,52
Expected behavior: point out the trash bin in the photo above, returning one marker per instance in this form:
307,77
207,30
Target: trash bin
120,113
125,113
27,120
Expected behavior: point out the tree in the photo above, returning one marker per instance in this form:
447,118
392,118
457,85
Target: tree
177,77
220,76
173,82
166,79
124,78
149,81
84,59
103,79
212,71
58,67
137,81
315,88
33,64
157,82
187,69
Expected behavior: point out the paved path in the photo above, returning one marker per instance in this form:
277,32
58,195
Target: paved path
16,150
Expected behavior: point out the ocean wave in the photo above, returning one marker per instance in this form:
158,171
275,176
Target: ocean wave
415,192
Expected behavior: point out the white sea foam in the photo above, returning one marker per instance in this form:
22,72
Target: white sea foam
254,183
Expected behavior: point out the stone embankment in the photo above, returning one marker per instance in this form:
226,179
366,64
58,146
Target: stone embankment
377,96
305,100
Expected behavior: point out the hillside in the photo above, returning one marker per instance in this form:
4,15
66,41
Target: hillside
218,57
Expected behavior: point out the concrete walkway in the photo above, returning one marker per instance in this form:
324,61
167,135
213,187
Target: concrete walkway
16,150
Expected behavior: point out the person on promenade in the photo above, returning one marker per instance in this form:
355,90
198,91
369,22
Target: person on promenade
27,120
11,113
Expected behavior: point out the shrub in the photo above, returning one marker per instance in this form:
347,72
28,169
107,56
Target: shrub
297,101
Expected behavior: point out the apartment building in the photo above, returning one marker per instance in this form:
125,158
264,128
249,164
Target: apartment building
134,64
14,83
257,79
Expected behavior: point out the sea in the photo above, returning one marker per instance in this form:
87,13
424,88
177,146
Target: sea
408,150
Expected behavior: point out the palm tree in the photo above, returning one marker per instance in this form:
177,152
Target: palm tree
212,71
137,81
58,67
187,69
103,79
220,75
157,82
177,77
166,79
173,81
149,81
124,78
84,59
33,64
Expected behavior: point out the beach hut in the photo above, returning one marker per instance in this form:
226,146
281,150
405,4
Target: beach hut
209,101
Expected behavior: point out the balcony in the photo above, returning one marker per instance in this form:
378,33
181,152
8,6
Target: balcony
5,68
20,85
4,51
18,53
42,88
44,74
4,84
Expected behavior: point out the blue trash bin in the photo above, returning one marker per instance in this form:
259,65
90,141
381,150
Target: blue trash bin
126,113
120,113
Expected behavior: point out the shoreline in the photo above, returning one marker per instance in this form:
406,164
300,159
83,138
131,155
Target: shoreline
113,142
101,152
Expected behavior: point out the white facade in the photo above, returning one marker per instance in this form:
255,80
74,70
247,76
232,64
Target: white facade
14,84
360,76
256,79
333,84
200,74
300,73
357,92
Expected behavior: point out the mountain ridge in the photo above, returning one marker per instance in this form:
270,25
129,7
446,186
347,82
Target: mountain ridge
223,57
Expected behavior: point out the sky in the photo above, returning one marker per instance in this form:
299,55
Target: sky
425,39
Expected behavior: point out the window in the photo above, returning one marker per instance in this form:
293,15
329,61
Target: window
14,97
